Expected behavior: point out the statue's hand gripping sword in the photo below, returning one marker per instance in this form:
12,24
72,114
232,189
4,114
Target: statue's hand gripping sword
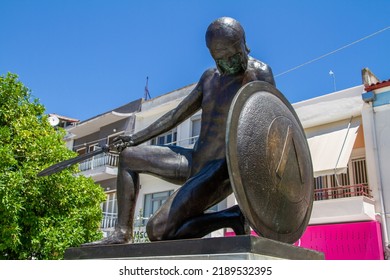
119,144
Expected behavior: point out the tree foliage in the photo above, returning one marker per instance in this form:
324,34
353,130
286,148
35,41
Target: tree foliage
40,216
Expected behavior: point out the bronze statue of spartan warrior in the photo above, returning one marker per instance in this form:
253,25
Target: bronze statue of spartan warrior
251,142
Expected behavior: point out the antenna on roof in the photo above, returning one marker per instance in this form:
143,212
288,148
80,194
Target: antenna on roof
331,73
147,94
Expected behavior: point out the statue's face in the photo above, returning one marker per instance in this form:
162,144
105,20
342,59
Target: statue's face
231,58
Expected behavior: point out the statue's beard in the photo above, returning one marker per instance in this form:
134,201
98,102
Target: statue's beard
232,65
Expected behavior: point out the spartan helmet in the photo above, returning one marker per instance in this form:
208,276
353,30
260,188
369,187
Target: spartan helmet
225,39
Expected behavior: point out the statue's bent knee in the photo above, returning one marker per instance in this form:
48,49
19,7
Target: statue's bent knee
158,228
129,157
153,230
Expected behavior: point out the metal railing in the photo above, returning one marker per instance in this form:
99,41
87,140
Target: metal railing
139,233
109,220
98,161
342,192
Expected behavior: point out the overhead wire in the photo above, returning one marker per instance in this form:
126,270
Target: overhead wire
334,51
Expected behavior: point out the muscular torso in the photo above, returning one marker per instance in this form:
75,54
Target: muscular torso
218,93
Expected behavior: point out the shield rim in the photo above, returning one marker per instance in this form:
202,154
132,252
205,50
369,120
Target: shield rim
239,100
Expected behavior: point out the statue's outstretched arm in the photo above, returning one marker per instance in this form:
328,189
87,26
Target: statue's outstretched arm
168,121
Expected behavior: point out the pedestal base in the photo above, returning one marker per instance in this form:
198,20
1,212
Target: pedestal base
221,248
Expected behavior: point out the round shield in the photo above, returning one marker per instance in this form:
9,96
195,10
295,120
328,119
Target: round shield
269,163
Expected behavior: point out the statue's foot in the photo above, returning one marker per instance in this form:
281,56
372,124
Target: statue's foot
247,227
241,227
118,237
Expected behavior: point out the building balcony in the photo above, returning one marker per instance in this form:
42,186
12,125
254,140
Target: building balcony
342,192
342,205
100,167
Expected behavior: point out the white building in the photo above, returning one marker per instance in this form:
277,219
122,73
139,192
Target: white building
347,135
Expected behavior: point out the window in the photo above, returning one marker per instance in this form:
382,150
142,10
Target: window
169,138
153,201
82,151
339,180
352,183
359,171
93,147
195,130
320,182
110,210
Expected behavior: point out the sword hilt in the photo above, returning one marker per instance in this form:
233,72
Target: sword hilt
122,142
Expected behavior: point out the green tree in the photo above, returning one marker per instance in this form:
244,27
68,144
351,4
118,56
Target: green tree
40,216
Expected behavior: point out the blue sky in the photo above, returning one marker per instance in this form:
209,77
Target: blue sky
82,58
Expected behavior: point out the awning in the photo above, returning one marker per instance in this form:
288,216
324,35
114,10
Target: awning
331,149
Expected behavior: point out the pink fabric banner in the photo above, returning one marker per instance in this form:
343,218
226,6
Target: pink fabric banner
347,241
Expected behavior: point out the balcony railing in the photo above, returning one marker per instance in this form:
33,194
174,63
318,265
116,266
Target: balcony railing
342,192
139,233
98,161
109,220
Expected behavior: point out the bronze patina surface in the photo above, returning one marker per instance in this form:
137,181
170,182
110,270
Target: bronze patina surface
269,162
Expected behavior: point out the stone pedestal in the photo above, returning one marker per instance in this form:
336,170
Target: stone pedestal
222,248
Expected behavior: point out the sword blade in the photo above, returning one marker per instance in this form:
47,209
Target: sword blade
67,163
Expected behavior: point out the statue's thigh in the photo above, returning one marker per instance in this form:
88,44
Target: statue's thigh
171,163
